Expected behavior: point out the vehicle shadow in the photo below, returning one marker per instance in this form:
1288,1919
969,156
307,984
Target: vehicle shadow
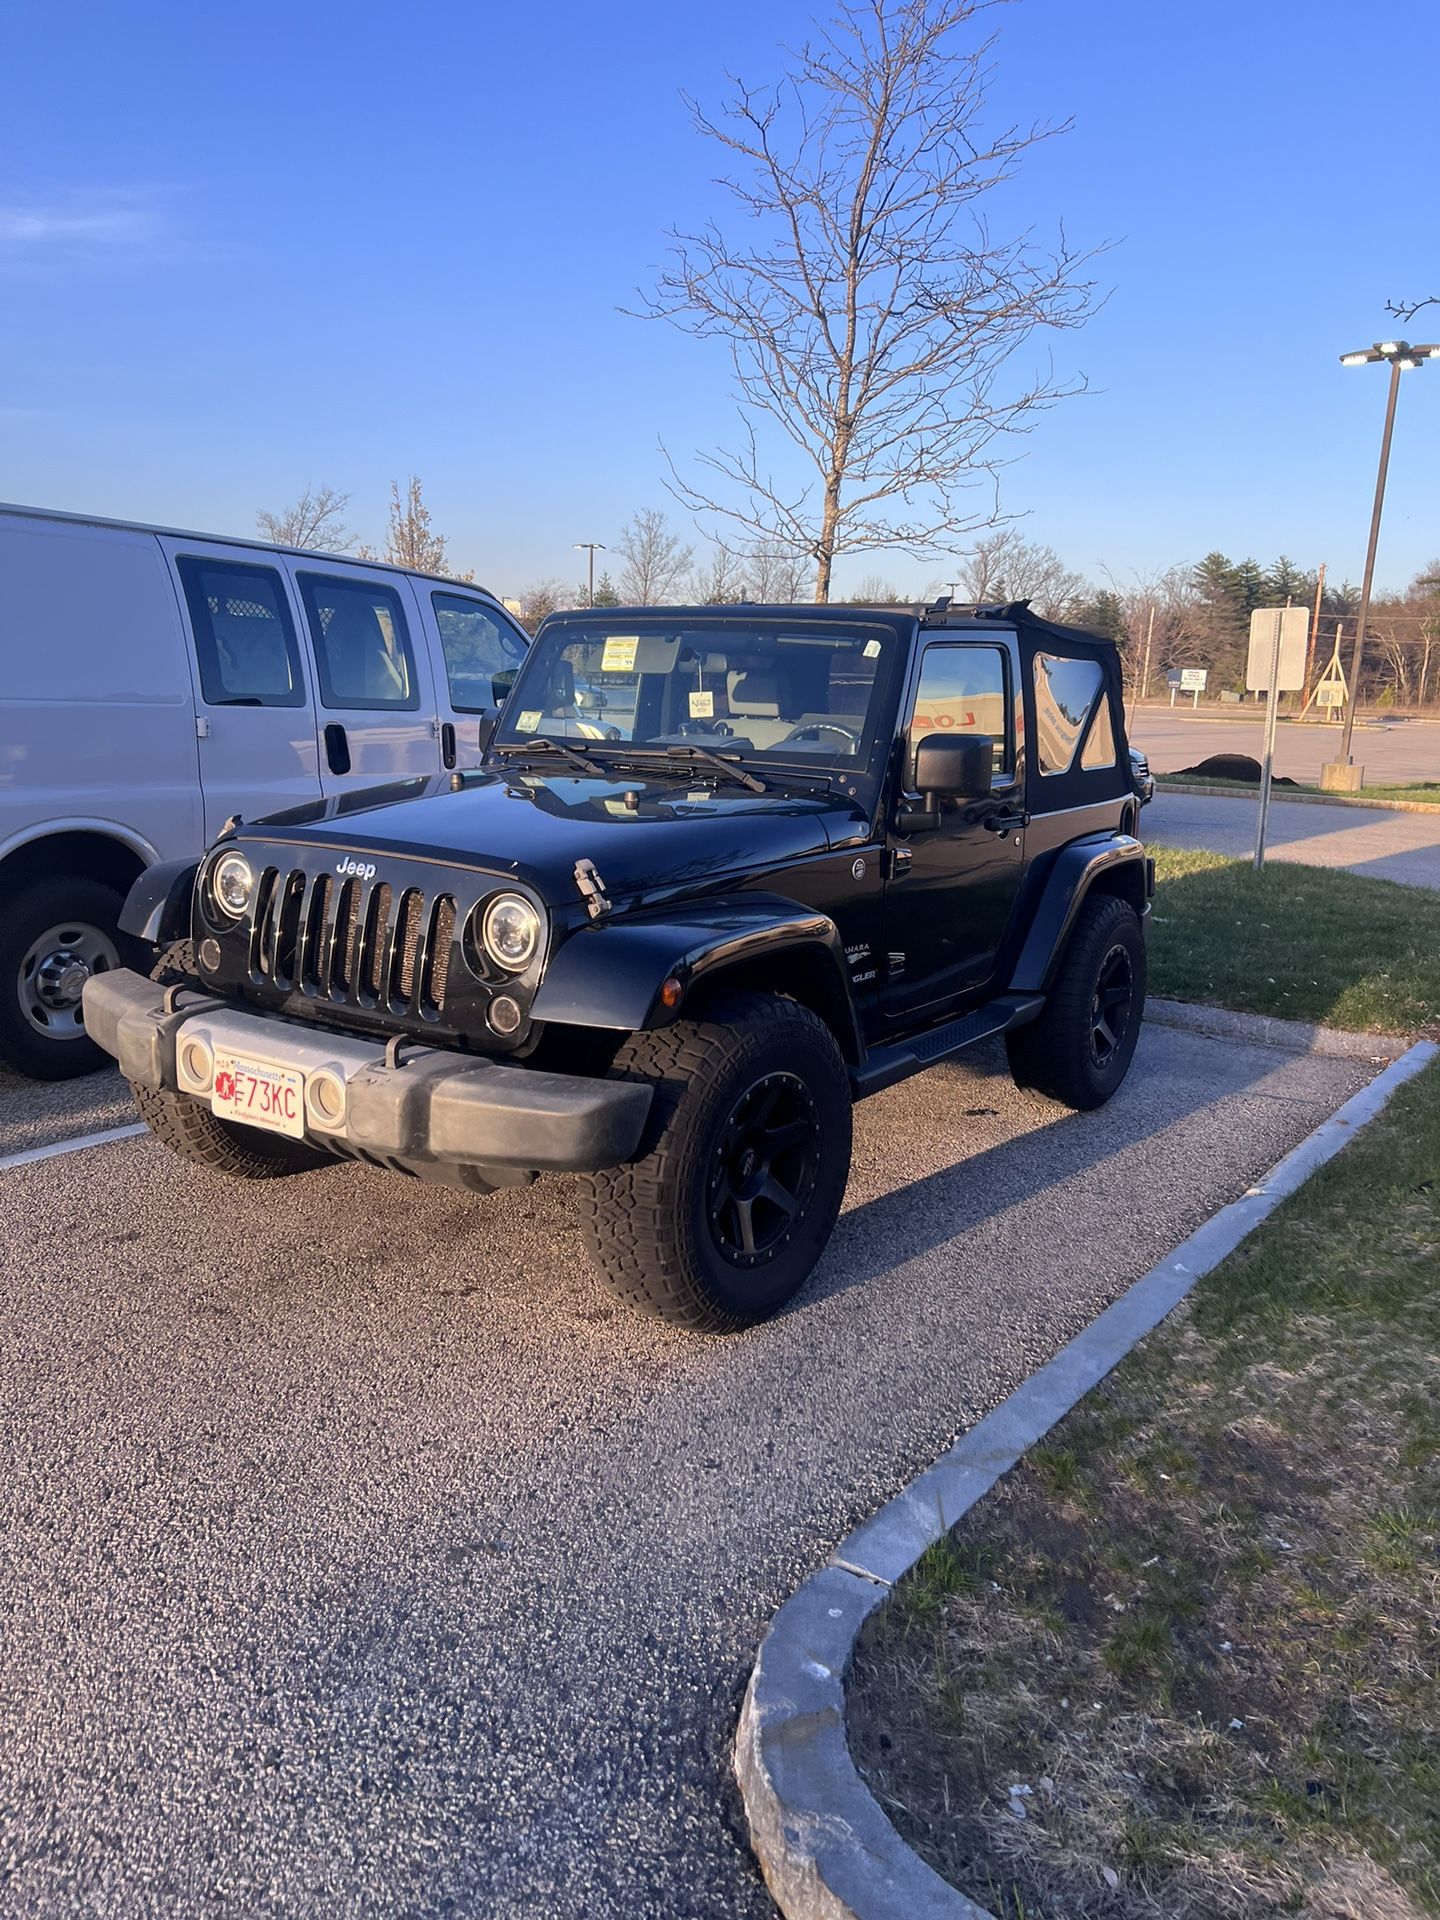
1176,1077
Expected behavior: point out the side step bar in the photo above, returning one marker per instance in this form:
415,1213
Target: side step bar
884,1066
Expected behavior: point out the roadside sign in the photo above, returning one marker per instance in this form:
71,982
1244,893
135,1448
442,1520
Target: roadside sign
1330,693
1193,679
1294,624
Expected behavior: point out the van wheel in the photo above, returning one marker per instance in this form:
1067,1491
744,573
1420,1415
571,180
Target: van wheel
735,1192
54,934
1080,1048
188,1127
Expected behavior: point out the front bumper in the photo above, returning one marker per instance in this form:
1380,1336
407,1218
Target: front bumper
429,1111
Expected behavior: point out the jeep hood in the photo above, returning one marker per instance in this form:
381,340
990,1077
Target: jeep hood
646,838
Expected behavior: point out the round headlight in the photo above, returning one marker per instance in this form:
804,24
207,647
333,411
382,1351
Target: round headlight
232,883
510,932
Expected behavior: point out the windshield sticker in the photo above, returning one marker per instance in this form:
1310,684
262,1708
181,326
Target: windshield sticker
871,649
702,706
528,721
619,653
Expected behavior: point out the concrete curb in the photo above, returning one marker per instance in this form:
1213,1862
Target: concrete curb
825,1847
1265,1030
1279,795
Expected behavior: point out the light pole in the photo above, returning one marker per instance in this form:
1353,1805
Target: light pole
1403,358
590,547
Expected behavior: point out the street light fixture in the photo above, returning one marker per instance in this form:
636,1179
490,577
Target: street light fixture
591,547
1403,358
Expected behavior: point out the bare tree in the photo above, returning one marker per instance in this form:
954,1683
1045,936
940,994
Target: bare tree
1005,566
875,592
869,311
313,521
655,561
546,596
721,582
1407,309
777,575
411,541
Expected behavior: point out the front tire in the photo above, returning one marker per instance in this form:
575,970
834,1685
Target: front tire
54,934
722,1217
1080,1048
188,1127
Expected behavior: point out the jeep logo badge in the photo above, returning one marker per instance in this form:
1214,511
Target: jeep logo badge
359,869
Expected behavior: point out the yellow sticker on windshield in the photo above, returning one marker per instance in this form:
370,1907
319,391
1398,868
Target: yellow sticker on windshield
619,653
528,722
702,706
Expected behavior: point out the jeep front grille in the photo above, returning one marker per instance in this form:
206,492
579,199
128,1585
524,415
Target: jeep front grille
344,941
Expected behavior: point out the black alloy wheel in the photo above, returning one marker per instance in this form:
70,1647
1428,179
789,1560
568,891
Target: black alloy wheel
1110,1009
764,1169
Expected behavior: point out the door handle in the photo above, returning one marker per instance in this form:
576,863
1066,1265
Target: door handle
337,748
1004,819
447,744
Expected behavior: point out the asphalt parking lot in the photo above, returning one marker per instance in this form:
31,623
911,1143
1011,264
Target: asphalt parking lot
360,1558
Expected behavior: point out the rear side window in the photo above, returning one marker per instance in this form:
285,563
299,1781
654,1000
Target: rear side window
477,645
1065,694
1099,748
962,690
244,636
362,645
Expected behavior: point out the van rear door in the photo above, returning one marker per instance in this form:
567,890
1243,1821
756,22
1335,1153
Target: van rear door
377,715
254,710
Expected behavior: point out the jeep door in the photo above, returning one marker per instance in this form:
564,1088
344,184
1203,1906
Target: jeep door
254,709
376,718
952,883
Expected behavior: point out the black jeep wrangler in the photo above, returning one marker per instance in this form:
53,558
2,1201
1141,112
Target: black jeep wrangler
723,872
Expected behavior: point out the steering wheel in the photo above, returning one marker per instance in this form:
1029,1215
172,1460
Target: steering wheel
814,728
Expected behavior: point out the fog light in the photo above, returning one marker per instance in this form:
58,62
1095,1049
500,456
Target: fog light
197,1065
210,955
325,1097
505,1015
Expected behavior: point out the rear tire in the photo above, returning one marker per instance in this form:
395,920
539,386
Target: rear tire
54,934
721,1218
188,1127
1079,1050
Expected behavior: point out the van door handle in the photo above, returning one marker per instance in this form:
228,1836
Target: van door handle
337,748
447,744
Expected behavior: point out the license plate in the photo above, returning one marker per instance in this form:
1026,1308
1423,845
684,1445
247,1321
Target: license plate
259,1095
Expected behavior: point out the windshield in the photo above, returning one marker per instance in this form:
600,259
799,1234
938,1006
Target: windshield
802,692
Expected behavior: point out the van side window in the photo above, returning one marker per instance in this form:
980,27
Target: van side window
362,645
244,636
478,645
962,690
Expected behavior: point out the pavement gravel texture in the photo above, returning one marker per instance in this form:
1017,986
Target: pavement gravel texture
358,1557
1369,840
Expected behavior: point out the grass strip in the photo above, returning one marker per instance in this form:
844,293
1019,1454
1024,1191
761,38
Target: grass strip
1184,1660
1306,943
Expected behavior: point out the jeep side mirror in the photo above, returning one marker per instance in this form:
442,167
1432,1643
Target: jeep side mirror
953,766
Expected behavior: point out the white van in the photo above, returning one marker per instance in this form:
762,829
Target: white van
153,683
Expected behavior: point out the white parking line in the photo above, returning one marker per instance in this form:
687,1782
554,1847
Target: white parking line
75,1145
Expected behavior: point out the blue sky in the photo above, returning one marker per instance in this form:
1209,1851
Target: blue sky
240,251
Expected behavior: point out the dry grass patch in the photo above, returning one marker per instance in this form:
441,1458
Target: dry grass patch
1184,1661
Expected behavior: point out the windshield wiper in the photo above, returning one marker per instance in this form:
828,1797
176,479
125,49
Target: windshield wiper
682,757
544,744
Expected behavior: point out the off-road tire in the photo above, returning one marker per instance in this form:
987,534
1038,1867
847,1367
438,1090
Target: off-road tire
1057,1055
26,915
649,1223
189,1128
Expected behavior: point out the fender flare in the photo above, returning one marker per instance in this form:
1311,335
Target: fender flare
157,908
1073,876
609,974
